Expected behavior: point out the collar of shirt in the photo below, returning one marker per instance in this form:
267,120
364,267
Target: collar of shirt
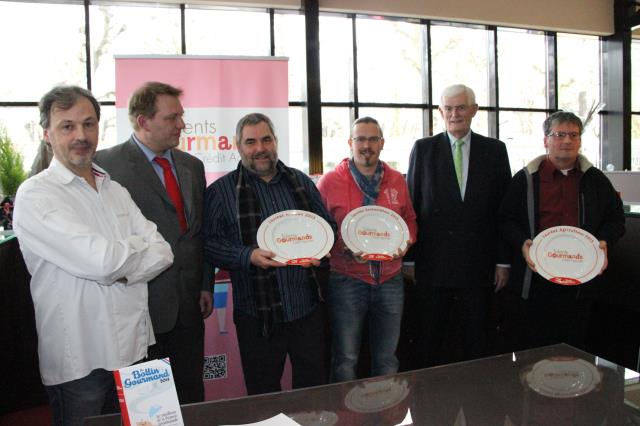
548,171
66,176
151,155
467,142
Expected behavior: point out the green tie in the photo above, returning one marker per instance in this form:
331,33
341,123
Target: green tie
457,161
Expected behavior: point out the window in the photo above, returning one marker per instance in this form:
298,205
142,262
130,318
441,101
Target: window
116,30
391,68
389,61
290,42
336,130
33,62
336,59
523,81
401,128
227,32
522,132
522,73
390,87
460,55
579,87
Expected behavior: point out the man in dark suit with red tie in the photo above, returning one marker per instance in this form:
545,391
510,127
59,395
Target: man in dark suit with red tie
457,180
168,186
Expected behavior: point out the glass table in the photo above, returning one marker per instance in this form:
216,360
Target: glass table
554,385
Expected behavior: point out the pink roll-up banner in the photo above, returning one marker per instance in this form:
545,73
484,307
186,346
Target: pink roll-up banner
218,91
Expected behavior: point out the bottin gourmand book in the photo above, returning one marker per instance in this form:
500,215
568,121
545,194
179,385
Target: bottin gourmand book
147,394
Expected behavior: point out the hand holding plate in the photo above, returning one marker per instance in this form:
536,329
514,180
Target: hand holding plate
525,253
263,259
603,246
310,263
357,256
400,253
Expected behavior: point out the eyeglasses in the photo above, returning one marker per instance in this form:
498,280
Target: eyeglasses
456,108
562,135
363,139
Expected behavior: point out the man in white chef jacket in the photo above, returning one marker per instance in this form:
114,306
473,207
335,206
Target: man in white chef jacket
90,253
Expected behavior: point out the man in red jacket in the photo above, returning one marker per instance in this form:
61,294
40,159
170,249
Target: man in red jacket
360,287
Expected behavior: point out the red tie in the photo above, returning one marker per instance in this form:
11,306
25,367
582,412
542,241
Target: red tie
171,184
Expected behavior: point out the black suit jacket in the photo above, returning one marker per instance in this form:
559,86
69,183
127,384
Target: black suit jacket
173,295
458,240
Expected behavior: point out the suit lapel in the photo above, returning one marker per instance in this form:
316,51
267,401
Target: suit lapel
185,180
476,154
448,171
144,169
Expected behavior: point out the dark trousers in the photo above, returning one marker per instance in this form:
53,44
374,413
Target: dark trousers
184,346
436,305
552,314
91,395
263,358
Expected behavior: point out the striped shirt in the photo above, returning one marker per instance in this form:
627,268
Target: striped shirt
224,249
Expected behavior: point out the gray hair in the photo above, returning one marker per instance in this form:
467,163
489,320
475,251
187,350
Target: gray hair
251,120
560,117
367,120
459,89
64,98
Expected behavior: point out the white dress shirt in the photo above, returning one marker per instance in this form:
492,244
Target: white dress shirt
80,245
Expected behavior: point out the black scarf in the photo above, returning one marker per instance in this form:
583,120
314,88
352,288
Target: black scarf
264,281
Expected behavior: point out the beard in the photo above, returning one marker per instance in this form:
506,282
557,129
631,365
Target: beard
71,158
265,168
84,160
368,157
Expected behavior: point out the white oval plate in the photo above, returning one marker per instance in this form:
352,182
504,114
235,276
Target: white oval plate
295,236
376,395
567,255
375,231
563,378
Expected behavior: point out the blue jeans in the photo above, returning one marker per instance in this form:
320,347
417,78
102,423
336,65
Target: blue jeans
91,395
349,302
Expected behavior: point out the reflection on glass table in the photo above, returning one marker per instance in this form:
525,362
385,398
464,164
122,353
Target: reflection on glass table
554,385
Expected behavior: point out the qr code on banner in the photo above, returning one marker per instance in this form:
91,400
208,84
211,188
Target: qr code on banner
215,367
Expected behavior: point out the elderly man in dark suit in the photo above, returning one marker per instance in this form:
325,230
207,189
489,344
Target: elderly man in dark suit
168,186
457,180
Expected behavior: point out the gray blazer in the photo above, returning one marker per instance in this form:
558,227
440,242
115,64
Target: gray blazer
173,295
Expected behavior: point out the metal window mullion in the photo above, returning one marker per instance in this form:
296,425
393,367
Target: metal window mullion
427,81
314,107
87,43
183,30
493,83
272,32
552,70
355,113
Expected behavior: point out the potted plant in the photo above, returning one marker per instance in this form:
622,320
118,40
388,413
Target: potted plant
12,174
